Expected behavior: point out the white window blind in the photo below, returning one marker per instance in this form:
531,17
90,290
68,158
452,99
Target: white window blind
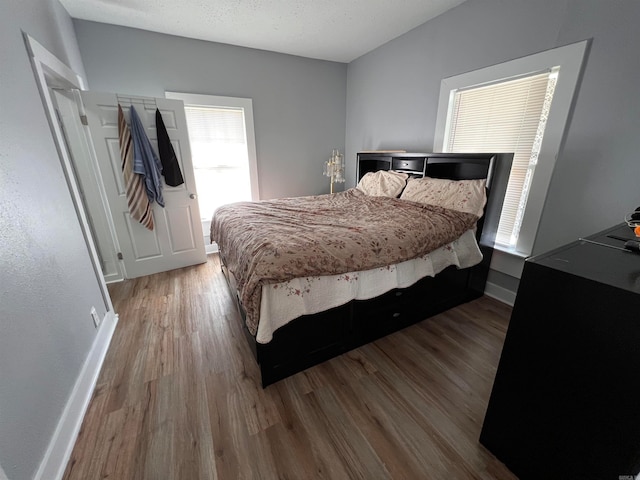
215,128
509,116
220,155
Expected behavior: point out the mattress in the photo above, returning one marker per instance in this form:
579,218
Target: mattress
278,241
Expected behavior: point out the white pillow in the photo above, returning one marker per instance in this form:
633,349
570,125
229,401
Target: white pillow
383,183
463,195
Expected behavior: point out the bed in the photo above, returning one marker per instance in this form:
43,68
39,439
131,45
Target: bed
320,275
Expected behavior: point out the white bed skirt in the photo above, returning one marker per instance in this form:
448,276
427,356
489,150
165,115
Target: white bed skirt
285,301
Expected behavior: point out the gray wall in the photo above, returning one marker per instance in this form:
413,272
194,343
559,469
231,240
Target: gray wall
392,96
298,103
47,284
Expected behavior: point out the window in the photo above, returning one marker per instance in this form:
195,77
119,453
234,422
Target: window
223,151
485,94
220,156
508,116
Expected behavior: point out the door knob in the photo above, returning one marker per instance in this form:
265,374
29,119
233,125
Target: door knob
192,196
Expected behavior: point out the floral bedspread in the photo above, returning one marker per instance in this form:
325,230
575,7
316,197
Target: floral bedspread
276,240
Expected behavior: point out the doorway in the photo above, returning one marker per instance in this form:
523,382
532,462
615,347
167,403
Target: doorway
52,74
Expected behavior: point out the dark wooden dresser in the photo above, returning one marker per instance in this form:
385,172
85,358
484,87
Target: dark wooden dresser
565,402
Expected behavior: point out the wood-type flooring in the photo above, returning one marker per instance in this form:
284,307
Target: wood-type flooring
179,396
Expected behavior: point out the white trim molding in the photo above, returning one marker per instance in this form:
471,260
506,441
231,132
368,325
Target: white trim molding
51,65
570,59
236,102
500,293
50,72
61,445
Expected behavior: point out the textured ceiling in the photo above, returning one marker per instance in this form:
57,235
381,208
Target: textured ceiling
337,30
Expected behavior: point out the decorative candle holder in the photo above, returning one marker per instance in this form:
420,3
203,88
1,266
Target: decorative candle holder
334,168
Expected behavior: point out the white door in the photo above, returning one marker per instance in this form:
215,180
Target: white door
177,239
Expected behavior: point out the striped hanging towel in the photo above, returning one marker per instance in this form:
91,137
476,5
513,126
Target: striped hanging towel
137,201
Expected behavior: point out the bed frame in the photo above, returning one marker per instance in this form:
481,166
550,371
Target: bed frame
312,339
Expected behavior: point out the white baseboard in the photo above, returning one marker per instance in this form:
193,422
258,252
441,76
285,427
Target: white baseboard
61,445
500,293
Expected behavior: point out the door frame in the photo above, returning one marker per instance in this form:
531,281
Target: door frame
52,73
49,71
234,102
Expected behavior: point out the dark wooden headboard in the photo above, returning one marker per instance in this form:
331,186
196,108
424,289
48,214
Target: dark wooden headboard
495,167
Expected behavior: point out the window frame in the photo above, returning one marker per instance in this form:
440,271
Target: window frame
570,60
235,102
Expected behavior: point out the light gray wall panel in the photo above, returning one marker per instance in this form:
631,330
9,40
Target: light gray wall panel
47,283
298,103
392,92
596,178
392,95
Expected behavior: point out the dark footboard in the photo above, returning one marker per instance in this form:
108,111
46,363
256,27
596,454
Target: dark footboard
312,339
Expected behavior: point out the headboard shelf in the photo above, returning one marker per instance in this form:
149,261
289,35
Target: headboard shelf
461,166
495,167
